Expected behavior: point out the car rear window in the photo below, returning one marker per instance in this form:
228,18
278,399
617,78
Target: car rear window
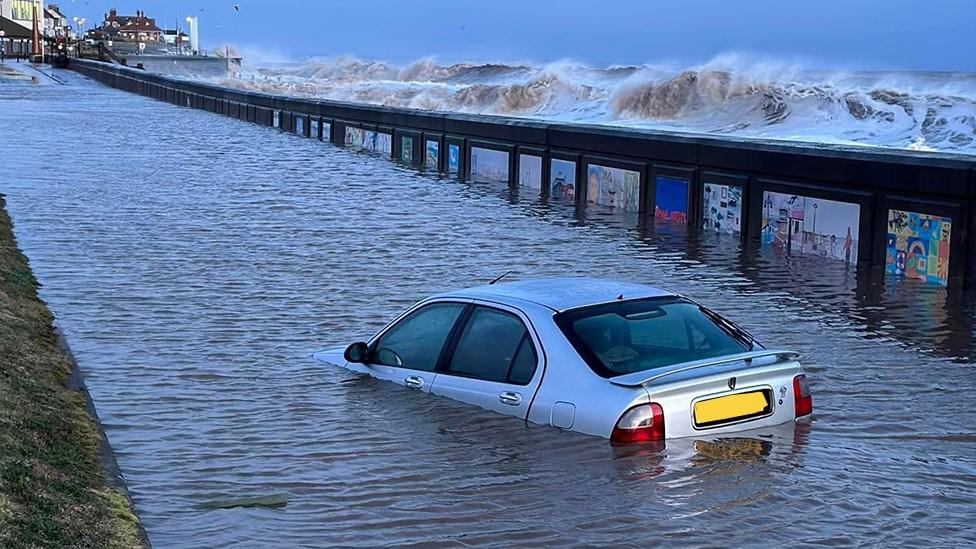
634,336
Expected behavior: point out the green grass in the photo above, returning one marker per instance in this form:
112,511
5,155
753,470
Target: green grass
52,486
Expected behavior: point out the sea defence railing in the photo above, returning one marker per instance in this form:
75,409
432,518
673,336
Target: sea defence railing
909,213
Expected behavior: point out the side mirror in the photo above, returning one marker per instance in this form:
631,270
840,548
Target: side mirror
357,353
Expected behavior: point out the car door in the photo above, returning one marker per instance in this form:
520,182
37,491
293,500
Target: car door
409,350
494,362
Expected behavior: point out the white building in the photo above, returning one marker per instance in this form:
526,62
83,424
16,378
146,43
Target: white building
21,12
17,24
55,23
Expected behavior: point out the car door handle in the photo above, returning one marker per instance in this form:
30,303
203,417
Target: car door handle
510,398
414,382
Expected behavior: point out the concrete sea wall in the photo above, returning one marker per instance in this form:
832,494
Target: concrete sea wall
905,212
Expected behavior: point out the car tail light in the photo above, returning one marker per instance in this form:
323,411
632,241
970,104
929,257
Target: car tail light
802,399
641,423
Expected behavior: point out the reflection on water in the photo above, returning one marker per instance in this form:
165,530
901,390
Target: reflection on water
194,264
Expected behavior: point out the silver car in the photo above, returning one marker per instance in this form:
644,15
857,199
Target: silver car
616,360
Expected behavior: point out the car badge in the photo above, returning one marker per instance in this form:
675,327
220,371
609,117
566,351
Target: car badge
731,383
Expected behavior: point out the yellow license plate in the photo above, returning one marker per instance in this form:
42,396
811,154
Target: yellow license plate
730,408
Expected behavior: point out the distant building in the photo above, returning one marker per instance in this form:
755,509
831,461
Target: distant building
176,38
130,28
55,23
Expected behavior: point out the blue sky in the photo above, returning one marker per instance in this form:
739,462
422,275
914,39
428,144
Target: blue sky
843,34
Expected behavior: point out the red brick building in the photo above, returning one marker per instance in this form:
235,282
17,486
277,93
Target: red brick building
130,28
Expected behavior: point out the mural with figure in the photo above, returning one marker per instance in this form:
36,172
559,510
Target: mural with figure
918,246
453,159
803,225
613,187
432,152
489,165
406,148
530,171
562,179
670,199
722,208
369,140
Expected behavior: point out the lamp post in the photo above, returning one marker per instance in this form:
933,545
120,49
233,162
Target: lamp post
815,237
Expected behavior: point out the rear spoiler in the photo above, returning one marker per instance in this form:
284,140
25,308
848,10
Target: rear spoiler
637,379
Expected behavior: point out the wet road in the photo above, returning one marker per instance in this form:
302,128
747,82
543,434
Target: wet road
195,262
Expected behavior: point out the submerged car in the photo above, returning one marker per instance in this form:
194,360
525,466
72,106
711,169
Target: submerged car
622,361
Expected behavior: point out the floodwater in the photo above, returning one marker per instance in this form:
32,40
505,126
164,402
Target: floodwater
195,262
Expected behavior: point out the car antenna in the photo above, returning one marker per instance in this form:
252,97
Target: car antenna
499,277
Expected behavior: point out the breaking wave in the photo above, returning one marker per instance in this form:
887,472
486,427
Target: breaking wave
729,95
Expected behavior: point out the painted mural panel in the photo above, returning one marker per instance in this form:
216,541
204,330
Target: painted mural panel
406,148
315,128
804,225
918,246
384,143
300,125
355,137
326,131
722,208
530,171
489,165
369,140
432,154
453,159
613,187
670,199
562,179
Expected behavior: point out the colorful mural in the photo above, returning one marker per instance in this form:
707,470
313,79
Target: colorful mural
489,165
670,199
530,171
804,225
722,208
432,152
355,137
613,187
369,140
562,179
384,143
918,246
453,159
406,148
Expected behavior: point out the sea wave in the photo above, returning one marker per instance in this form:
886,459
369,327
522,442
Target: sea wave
729,95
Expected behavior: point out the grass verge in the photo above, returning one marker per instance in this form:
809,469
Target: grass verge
53,489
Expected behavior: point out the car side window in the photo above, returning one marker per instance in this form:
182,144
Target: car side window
416,341
494,346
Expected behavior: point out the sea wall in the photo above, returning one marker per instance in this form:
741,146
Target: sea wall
905,212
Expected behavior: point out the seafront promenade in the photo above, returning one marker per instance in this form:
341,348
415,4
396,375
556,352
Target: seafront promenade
903,213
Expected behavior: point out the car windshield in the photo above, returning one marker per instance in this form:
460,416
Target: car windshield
635,336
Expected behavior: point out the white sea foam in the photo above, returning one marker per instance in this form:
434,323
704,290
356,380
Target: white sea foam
731,95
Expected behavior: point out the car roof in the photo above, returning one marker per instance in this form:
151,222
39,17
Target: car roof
561,294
